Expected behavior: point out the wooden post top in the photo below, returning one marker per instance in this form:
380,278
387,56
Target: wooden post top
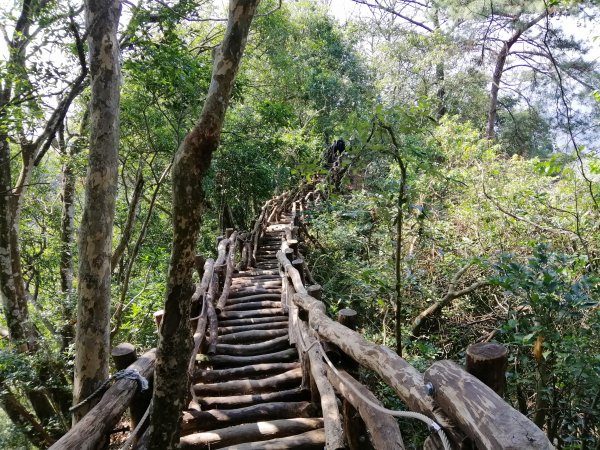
347,317
486,350
123,355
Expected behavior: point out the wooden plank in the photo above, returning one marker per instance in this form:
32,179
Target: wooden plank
248,306
251,321
228,315
248,337
281,323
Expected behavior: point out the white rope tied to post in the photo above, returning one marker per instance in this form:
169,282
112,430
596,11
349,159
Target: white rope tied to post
130,374
432,424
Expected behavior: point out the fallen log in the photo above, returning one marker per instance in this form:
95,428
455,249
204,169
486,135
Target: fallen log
241,401
271,346
236,361
286,380
311,440
383,428
249,432
282,323
214,418
253,371
102,418
248,337
480,412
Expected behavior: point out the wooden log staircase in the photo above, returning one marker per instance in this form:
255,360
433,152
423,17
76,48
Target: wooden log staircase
271,370
249,394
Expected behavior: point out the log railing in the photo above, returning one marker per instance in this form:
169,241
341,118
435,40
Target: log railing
93,430
449,399
464,407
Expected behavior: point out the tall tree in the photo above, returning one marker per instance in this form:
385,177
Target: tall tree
28,125
95,237
191,163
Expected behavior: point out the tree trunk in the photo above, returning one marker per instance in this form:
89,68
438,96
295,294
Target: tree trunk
499,70
191,163
67,230
95,240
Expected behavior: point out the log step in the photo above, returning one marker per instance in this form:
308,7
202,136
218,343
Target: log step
271,346
222,361
250,321
255,273
241,401
247,306
252,432
311,440
215,418
266,312
247,292
252,336
281,323
253,371
291,378
234,301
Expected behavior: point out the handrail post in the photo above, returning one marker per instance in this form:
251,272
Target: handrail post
487,362
123,356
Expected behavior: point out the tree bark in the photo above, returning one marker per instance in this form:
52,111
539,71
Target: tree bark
191,163
499,71
480,412
249,432
95,240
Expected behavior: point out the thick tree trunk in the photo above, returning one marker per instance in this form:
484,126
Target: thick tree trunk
95,240
191,163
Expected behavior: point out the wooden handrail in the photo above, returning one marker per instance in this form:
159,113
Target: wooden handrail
456,400
92,430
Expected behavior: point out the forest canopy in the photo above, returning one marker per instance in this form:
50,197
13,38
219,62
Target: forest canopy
465,207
